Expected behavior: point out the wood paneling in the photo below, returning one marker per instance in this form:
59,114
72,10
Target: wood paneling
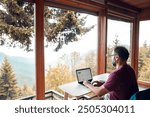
32,1
122,10
123,5
94,6
145,14
82,5
138,3
118,12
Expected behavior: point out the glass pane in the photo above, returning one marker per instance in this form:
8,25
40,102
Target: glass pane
17,58
64,56
119,33
144,52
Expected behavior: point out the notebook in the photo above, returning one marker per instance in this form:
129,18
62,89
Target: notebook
84,75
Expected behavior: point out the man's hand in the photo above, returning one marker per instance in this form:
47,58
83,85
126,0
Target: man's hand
97,83
99,89
86,83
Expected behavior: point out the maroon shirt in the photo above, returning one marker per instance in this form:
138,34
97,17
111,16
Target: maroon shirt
122,83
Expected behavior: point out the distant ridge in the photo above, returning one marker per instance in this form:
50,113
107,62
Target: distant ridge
24,68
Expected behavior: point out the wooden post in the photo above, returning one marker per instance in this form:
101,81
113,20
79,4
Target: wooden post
135,45
39,32
102,44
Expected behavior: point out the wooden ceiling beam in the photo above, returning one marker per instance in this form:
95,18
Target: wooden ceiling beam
122,5
86,6
93,5
143,4
32,1
117,12
145,14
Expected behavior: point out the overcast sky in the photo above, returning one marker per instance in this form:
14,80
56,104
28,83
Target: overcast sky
122,29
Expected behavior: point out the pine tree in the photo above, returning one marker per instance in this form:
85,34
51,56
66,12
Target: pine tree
2,89
17,22
116,40
8,83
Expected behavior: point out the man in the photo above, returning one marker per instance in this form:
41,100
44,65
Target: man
122,83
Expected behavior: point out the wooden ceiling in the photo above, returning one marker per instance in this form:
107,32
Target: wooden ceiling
142,4
141,7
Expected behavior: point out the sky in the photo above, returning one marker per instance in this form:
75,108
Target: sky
83,45
119,30
144,32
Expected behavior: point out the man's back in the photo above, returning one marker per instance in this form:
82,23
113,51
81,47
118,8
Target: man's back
122,83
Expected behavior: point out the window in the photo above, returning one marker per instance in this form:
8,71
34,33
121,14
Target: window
144,52
118,34
17,61
63,57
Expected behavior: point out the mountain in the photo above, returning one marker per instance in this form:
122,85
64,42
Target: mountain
24,69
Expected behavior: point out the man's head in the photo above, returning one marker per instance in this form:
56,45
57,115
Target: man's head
121,54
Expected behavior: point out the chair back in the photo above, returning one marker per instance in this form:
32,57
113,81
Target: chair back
141,95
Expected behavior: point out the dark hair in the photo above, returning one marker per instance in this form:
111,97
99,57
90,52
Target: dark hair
122,52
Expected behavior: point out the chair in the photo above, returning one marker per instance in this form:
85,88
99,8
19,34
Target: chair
141,95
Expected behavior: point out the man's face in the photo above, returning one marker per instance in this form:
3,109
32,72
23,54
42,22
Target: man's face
113,59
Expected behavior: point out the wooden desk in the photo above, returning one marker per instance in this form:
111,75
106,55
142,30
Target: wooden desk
78,90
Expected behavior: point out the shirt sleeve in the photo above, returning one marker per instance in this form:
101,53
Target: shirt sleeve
111,83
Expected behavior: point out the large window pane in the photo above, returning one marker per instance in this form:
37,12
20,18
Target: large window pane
17,58
118,34
60,65
144,52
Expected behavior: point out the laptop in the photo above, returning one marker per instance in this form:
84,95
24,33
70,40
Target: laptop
84,74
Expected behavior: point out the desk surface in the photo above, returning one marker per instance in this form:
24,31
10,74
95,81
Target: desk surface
76,89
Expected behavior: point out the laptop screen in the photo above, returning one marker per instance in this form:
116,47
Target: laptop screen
84,75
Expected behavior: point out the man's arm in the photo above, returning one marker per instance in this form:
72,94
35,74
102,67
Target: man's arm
99,91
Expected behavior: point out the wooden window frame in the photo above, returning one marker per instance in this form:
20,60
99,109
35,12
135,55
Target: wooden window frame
40,78
102,10
39,49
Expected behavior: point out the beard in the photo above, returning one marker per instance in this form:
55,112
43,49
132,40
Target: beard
114,63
